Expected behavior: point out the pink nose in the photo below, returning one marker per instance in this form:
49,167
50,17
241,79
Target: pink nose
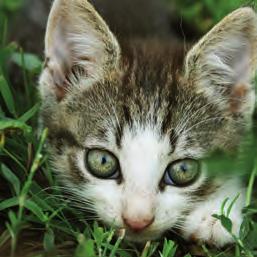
138,225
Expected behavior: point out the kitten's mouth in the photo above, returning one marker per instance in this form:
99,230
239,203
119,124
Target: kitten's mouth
138,237
141,237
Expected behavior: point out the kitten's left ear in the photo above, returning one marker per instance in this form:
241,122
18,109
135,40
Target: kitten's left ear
222,65
78,43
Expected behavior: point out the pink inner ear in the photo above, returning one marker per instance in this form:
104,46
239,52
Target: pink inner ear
59,75
238,95
60,92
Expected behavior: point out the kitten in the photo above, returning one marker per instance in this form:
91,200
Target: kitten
129,124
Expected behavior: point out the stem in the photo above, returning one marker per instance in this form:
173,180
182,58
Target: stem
14,159
25,190
2,140
4,32
251,184
25,78
206,251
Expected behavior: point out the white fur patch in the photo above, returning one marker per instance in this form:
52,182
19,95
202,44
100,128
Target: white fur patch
143,157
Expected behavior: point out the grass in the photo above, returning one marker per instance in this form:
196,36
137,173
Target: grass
36,219
204,14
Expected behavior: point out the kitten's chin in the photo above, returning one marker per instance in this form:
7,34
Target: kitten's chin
141,237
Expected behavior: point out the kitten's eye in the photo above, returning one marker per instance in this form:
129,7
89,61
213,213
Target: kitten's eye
102,164
182,173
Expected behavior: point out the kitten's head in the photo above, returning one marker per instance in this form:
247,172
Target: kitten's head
128,128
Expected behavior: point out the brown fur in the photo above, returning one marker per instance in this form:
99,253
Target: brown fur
196,97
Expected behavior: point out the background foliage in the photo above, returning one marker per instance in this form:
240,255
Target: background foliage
35,218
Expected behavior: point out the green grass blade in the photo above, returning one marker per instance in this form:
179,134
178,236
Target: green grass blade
7,95
232,204
10,124
4,237
29,62
34,208
49,240
30,113
249,191
11,202
12,178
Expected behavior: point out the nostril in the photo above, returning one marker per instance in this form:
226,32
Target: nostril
139,224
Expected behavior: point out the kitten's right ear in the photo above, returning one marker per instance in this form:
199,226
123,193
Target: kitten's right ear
78,46
223,63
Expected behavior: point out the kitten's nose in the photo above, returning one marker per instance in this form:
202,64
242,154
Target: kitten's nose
138,225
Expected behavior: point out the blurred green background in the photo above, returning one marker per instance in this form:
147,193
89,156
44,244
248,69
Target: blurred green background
24,20
40,223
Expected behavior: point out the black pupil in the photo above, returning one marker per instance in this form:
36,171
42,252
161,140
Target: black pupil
104,160
183,167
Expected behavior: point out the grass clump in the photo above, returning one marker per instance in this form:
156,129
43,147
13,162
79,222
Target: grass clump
204,14
36,219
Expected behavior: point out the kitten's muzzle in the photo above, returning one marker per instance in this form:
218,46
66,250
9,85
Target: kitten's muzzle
138,225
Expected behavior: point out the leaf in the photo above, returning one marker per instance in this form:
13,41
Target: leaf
11,177
12,5
13,218
7,95
4,237
49,240
226,223
29,62
245,228
98,234
8,203
2,114
30,113
6,52
86,249
9,124
232,204
169,249
222,209
35,209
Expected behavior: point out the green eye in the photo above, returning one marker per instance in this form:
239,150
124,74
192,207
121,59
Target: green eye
182,173
102,164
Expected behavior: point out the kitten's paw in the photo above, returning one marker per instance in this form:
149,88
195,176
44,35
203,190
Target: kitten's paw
204,228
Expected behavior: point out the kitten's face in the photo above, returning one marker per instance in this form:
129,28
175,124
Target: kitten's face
139,138
128,132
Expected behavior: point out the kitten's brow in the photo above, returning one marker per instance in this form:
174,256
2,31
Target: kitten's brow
64,137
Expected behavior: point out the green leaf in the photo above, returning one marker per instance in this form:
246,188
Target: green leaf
86,249
232,204
8,203
10,124
30,113
7,95
34,208
6,52
4,238
226,223
12,5
169,249
13,218
222,209
2,114
29,62
12,178
49,240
